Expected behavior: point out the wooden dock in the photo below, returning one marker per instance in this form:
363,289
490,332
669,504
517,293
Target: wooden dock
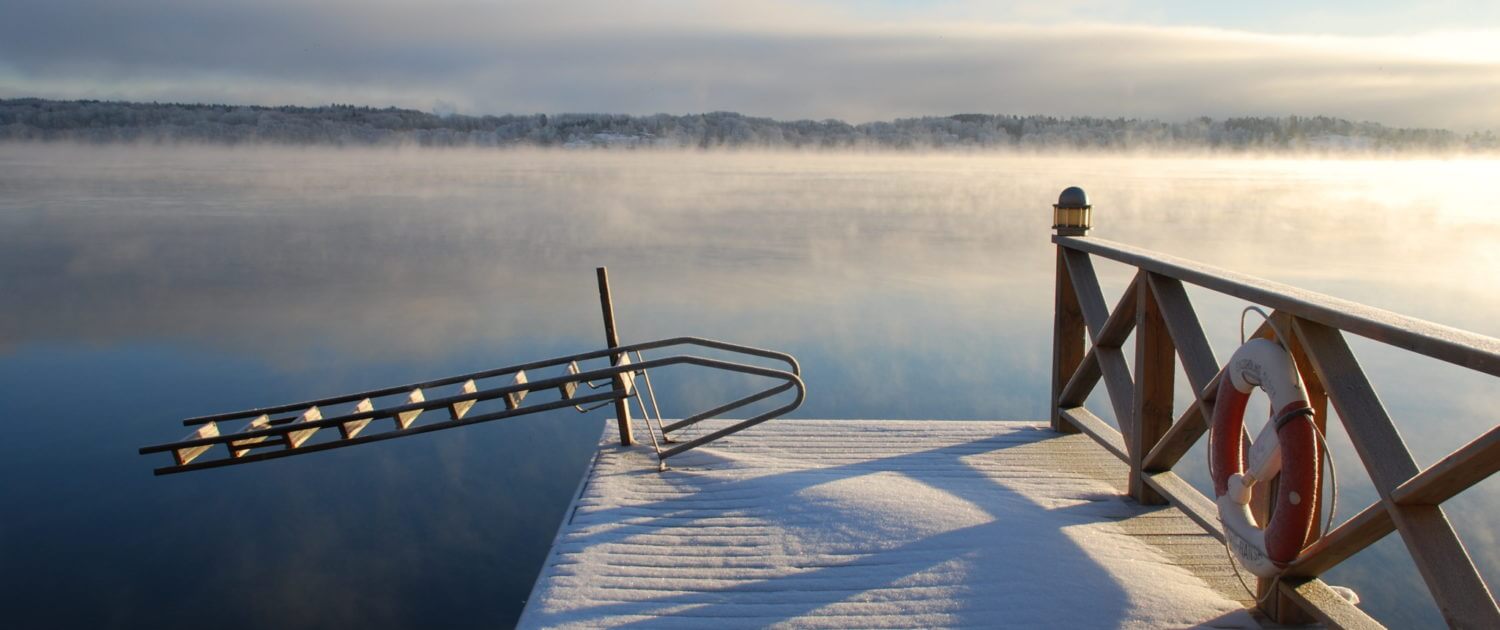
879,523
1073,522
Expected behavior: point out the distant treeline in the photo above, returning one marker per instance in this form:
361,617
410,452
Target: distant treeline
347,125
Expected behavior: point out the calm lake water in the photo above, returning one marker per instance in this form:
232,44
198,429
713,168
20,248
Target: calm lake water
139,286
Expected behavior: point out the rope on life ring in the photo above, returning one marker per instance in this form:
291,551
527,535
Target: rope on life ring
1288,444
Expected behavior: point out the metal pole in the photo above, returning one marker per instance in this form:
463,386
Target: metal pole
612,338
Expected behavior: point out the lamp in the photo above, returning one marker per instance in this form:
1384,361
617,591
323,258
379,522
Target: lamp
1072,215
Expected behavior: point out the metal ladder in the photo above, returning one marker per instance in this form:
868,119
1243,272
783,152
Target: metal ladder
484,396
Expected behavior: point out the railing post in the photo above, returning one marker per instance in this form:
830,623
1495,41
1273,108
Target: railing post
1155,369
1071,216
1280,607
612,338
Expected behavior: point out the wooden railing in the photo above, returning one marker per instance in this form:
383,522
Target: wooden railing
1153,436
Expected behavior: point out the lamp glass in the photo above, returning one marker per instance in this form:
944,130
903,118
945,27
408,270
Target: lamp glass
1072,217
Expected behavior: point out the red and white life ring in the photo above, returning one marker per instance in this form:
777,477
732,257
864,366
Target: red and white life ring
1288,444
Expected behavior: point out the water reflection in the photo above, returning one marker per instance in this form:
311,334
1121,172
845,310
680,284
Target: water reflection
141,285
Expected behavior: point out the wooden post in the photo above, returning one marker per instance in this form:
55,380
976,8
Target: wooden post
1155,370
1263,504
1067,341
1281,608
612,338
1278,606
1071,216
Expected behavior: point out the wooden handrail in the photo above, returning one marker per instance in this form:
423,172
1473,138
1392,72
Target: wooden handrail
1157,309
1468,465
1472,350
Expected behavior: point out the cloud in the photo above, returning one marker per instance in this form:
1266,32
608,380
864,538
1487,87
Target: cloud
784,60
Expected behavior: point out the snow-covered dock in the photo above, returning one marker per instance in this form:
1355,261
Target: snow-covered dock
878,523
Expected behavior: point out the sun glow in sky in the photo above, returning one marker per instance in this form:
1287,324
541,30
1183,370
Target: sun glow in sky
1433,64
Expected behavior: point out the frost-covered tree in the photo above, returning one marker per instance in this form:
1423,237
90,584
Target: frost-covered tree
349,125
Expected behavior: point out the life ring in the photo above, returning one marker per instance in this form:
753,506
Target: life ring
1288,444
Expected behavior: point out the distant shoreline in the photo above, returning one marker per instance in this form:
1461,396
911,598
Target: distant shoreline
109,122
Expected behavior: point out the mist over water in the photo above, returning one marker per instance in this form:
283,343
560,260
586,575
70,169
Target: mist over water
142,285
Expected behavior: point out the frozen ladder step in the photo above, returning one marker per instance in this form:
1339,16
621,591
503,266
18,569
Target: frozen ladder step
185,455
458,409
353,427
238,448
405,418
295,439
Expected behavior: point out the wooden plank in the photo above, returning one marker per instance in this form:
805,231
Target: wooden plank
1197,356
458,408
1082,382
1371,430
1155,371
1281,608
1119,385
1352,536
1067,343
238,448
1185,497
1090,296
405,418
1470,464
1111,360
513,400
1098,429
1087,373
353,427
567,389
1181,436
1122,320
1326,606
185,455
1460,347
1440,556
625,380
1285,609
1317,398
295,439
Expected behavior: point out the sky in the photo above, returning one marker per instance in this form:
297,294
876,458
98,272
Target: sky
1433,63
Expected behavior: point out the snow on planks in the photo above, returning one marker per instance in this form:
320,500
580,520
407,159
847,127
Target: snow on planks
877,523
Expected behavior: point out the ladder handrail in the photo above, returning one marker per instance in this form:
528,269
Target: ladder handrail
282,428
500,371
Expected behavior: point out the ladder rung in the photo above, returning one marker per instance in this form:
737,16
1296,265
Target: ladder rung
513,399
567,389
627,378
272,441
185,455
238,448
295,439
458,409
405,418
353,427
